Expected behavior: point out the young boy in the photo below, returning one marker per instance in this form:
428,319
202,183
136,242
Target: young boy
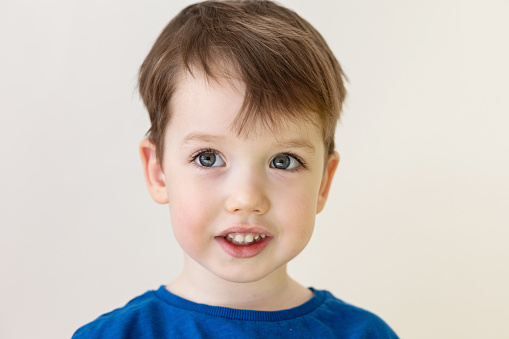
243,97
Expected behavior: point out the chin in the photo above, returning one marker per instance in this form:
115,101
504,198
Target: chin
244,274
240,277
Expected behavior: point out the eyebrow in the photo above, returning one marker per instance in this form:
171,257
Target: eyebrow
294,143
200,137
298,143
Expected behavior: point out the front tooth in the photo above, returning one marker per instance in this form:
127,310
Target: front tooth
239,238
249,238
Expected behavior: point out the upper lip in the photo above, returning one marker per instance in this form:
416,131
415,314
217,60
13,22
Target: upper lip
245,229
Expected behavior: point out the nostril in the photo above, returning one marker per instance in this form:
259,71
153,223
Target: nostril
246,202
238,210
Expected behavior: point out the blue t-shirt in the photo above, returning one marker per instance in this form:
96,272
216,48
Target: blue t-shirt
161,314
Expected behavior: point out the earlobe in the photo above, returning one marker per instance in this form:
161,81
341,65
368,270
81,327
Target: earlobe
154,176
330,169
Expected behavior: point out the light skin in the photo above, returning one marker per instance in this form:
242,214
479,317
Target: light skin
217,182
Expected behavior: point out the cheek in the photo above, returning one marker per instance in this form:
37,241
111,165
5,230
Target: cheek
302,195
190,211
297,208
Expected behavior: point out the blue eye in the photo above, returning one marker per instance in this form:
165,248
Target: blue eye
209,159
285,162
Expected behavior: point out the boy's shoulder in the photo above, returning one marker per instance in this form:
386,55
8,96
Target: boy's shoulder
117,323
354,321
161,314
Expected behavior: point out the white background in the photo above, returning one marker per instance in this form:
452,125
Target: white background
416,228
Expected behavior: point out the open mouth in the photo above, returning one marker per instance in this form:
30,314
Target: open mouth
244,239
244,244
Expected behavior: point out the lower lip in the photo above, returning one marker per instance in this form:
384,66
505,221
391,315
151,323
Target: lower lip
243,251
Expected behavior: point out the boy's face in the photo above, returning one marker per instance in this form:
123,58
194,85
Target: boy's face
241,207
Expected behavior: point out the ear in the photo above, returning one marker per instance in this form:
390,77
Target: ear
330,169
154,176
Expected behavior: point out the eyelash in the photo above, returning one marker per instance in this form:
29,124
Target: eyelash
195,155
302,163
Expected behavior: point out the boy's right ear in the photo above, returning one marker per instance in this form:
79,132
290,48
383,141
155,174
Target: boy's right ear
154,176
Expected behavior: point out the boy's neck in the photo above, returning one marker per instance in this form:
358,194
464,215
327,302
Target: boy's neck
273,293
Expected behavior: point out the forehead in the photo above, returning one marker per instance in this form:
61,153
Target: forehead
220,101
199,95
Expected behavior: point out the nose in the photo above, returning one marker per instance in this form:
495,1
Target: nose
247,195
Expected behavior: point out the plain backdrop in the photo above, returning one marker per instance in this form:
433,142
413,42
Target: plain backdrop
416,227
